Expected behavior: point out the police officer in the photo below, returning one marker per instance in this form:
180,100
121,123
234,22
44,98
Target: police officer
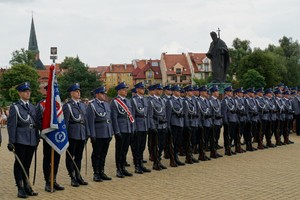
78,133
253,117
229,119
23,137
101,131
207,123
158,126
280,111
140,114
197,135
216,113
270,103
264,117
122,121
296,108
288,116
190,124
175,117
166,96
242,118
47,152
149,143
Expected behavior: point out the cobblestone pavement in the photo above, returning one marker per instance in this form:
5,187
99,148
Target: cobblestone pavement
265,174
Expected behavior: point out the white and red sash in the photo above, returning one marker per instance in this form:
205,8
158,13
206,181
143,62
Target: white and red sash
123,105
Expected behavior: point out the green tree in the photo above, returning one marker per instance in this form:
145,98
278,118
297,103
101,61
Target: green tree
112,92
201,82
17,74
252,78
266,63
241,48
77,72
23,57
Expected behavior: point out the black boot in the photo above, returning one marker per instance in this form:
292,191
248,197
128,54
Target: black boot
97,177
21,191
48,187
178,162
137,168
103,176
74,182
143,168
28,189
125,172
80,180
57,186
119,172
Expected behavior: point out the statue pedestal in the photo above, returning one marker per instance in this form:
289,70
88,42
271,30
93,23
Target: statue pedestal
221,86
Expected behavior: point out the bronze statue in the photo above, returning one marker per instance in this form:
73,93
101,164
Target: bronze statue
219,56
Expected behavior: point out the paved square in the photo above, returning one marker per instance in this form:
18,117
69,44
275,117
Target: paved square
265,174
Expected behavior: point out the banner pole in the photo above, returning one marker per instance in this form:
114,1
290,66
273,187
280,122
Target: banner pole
52,170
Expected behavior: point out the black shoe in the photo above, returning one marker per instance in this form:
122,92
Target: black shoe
162,166
74,182
127,164
58,187
156,167
29,191
145,169
219,155
103,176
271,145
290,142
81,181
179,163
195,160
21,193
219,147
97,177
138,170
48,187
126,173
282,143
120,174
144,161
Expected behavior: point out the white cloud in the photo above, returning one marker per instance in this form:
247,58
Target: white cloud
115,31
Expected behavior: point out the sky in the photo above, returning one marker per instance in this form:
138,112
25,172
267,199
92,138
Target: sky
118,31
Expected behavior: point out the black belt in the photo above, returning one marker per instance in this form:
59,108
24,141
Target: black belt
27,125
139,116
103,121
76,123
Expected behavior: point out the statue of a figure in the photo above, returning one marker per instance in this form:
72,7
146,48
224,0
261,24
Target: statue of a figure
219,56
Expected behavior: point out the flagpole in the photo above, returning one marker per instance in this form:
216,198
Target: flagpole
53,56
52,170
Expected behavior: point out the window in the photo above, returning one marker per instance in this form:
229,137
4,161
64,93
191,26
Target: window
173,78
182,78
178,71
150,74
154,64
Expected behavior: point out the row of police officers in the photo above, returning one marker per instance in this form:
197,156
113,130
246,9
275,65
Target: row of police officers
174,120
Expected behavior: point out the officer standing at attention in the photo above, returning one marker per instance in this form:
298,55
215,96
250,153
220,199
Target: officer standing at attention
78,133
158,126
191,122
175,117
99,117
229,120
122,121
140,114
47,151
166,96
23,137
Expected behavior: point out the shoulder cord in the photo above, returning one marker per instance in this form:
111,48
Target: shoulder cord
202,111
139,110
231,108
122,113
20,117
251,107
237,105
157,111
97,113
188,107
176,111
73,117
215,108
261,107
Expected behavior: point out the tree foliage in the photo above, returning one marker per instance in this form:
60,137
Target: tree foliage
16,75
77,72
252,78
23,57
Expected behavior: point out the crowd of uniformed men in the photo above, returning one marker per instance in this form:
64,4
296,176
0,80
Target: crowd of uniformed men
174,120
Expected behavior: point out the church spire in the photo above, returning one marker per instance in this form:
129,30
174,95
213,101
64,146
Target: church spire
33,45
